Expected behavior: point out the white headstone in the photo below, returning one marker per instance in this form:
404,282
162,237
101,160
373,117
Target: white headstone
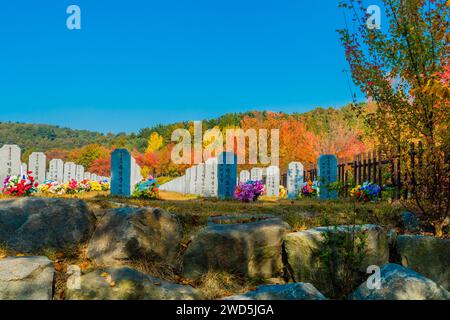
273,181
200,181
193,181
256,174
24,168
87,175
79,173
70,169
94,177
211,185
9,161
187,184
56,170
294,179
244,176
37,165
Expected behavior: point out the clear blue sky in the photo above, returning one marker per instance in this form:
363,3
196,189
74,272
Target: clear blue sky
137,63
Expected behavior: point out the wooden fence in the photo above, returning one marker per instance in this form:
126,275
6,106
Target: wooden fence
381,167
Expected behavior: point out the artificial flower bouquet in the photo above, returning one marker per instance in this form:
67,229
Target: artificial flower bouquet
146,189
367,192
20,186
53,187
249,191
309,189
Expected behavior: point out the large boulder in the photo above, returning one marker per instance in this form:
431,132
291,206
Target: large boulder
128,233
124,283
250,249
31,224
291,291
303,249
427,255
26,278
400,283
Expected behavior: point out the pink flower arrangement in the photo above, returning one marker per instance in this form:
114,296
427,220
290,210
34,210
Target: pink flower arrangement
249,191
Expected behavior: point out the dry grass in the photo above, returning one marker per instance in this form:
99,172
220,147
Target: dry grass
216,285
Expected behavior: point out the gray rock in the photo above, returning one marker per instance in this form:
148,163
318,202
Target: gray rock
291,291
427,255
125,283
248,249
128,233
26,278
400,283
31,224
302,250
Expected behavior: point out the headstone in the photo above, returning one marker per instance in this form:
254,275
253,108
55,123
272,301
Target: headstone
70,169
256,174
137,173
273,181
327,173
9,161
227,174
187,184
244,176
122,183
56,170
38,166
94,177
79,173
294,179
87,175
193,179
200,181
210,189
23,168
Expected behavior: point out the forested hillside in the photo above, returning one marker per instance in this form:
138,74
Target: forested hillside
303,136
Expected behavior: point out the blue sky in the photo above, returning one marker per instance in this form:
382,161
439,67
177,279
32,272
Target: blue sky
137,63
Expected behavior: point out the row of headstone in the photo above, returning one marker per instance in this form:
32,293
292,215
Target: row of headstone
125,173
217,177
10,164
327,173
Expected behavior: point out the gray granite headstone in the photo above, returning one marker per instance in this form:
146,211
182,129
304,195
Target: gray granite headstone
227,174
121,173
327,172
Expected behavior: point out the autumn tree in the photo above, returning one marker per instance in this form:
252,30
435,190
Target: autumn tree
401,66
155,142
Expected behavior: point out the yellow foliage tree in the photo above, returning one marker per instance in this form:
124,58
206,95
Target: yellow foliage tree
155,142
